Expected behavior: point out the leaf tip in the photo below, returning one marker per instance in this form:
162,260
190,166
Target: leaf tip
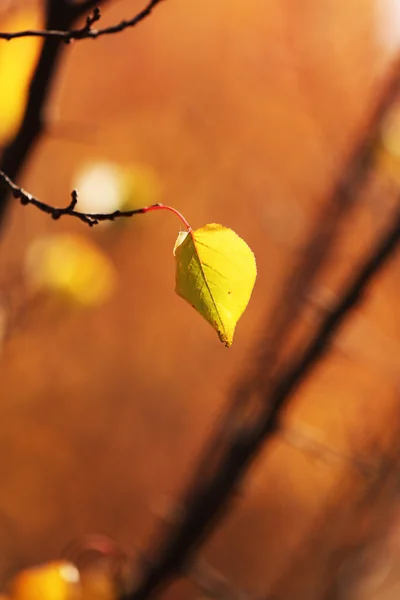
225,338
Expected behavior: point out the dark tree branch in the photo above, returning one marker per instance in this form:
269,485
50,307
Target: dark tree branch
59,15
69,210
345,192
205,500
225,463
85,32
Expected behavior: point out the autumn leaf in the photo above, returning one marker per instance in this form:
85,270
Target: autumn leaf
60,580
17,60
72,266
50,581
215,273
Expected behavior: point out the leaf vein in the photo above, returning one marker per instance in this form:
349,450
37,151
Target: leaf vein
206,282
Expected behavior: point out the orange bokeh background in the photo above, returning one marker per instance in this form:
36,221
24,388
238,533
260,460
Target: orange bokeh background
246,112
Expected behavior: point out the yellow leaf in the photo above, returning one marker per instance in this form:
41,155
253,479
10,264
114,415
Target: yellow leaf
17,59
71,265
215,273
50,581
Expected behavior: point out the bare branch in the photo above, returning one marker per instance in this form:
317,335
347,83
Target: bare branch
85,32
60,17
69,210
233,447
205,500
345,192
67,36
16,152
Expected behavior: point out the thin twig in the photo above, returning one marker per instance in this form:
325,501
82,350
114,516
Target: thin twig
85,32
70,210
60,16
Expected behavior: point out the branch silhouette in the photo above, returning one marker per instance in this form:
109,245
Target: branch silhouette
85,32
69,210
206,498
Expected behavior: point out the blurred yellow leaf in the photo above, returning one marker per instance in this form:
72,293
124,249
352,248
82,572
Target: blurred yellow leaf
61,580
52,581
17,60
72,265
215,273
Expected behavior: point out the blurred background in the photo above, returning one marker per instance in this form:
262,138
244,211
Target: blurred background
234,112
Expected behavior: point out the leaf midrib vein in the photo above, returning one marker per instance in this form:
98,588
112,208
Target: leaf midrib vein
206,282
